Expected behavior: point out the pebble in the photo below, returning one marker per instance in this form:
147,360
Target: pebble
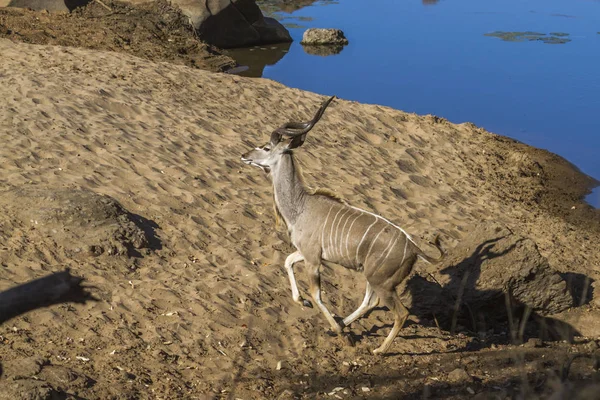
459,375
533,342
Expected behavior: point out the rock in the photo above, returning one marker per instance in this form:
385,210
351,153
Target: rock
223,23
319,36
489,264
459,375
585,320
271,31
533,343
73,223
499,262
232,23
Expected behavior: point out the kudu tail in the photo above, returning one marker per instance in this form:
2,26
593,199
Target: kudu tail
432,260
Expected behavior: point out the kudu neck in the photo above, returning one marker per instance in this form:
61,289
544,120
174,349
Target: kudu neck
290,193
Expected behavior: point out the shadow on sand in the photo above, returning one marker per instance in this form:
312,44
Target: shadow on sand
60,287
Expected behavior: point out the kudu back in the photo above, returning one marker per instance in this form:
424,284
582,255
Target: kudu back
326,229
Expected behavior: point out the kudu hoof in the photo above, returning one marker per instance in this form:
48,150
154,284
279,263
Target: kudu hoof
379,351
349,340
307,303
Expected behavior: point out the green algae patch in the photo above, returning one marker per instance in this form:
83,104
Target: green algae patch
530,36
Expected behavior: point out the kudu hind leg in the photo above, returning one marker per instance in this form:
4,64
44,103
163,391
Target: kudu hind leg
391,299
289,267
315,291
369,302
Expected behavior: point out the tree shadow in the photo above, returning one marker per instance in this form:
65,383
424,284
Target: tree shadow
460,305
580,286
149,228
519,375
60,287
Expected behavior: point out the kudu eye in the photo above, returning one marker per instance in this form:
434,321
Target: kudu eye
267,148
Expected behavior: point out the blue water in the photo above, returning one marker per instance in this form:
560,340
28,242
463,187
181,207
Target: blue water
433,58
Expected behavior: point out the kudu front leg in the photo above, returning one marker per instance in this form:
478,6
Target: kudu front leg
315,291
289,267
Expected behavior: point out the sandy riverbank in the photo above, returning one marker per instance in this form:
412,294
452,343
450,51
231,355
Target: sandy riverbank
204,307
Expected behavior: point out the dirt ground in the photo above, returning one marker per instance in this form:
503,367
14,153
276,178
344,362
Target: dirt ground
127,171
154,31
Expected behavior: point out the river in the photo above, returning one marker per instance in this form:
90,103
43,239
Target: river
529,70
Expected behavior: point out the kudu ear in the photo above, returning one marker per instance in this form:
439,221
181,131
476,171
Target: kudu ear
296,141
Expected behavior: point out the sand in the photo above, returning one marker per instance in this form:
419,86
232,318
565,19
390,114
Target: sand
204,308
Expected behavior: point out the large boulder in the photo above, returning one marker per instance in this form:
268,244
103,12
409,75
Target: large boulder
232,23
492,261
489,272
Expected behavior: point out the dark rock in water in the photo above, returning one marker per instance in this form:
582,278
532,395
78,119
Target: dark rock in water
318,37
490,269
271,31
232,23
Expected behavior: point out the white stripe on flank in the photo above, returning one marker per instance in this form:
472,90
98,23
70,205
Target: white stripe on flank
331,231
363,238
342,234
388,249
391,248
404,255
389,222
373,244
323,231
337,228
348,235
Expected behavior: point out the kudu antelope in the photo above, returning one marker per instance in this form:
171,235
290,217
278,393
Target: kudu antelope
327,230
